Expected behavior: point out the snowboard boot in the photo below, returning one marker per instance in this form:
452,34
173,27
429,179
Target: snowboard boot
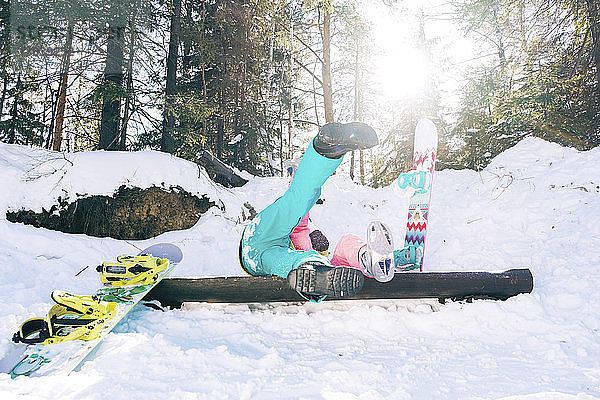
377,256
336,139
314,281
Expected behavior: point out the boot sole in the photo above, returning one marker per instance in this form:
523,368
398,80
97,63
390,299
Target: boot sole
381,246
336,139
326,281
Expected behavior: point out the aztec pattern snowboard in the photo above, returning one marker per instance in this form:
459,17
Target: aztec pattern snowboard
425,150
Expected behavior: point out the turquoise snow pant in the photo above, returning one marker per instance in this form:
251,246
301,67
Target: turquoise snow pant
265,244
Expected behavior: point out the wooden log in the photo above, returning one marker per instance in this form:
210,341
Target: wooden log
218,170
412,285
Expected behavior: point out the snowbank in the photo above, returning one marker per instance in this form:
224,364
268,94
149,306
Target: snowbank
536,205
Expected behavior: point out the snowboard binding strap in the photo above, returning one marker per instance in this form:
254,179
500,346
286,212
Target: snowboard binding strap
418,180
82,319
132,270
85,305
408,258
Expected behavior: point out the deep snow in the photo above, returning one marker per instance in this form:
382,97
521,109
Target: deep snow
536,205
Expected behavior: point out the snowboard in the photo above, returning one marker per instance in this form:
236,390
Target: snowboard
41,360
424,153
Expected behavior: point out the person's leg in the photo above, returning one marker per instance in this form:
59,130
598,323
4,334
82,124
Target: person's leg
378,257
374,259
300,236
346,251
272,227
264,247
280,260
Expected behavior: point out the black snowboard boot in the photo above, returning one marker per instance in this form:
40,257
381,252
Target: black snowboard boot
335,139
314,281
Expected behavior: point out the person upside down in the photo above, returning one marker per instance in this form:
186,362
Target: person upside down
265,244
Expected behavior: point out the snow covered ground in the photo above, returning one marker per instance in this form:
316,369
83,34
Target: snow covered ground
537,205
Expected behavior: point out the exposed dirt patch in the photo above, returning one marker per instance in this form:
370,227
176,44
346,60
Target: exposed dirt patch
130,214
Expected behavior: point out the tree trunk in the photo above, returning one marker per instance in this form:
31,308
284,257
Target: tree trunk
4,91
594,21
187,21
316,108
220,131
62,91
203,67
280,119
243,122
12,132
167,144
409,285
129,85
270,71
47,105
326,66
356,103
222,110
362,166
501,51
4,50
53,104
113,83
224,84
290,154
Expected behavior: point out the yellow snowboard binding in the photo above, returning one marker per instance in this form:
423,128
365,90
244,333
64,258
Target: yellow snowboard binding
132,270
73,317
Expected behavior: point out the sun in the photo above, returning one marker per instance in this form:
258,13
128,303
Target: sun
400,67
402,74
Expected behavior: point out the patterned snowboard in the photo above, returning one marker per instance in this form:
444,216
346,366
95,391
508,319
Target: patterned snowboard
425,150
41,360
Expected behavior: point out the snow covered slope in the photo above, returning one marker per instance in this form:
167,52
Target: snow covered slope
537,205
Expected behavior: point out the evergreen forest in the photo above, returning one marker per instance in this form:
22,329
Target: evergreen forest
250,81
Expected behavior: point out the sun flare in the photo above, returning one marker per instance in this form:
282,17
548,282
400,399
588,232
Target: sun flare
401,68
402,74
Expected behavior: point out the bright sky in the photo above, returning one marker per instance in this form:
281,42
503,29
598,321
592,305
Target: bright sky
402,69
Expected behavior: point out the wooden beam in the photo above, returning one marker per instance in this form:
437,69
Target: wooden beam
218,170
412,285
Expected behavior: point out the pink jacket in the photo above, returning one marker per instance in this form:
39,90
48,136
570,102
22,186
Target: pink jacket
346,251
300,235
